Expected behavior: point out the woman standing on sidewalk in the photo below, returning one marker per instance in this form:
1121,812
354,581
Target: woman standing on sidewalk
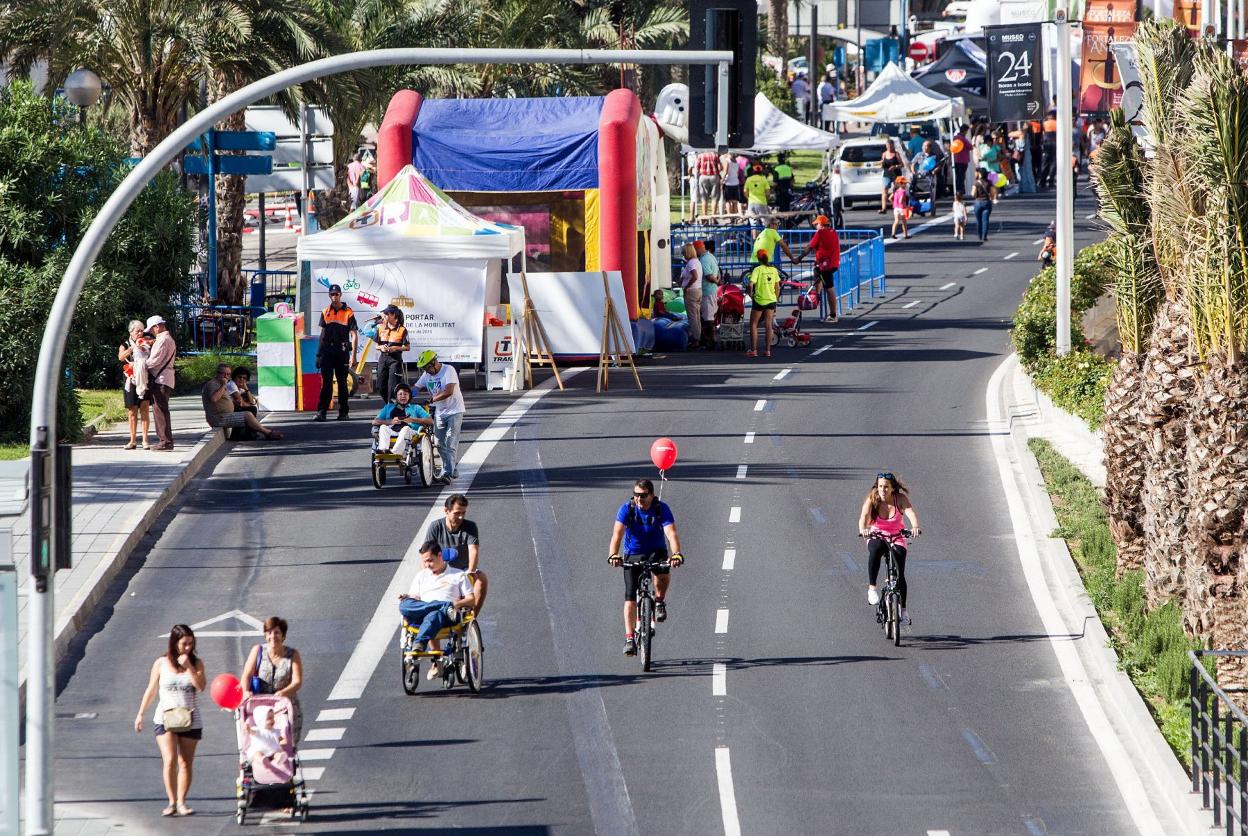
177,677
135,394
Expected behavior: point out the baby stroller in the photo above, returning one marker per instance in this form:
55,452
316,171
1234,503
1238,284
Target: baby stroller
275,781
922,193
789,331
730,317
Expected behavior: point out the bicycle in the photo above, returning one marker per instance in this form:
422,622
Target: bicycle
645,606
888,610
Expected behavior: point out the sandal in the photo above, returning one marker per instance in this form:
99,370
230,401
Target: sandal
131,446
183,810
169,811
146,446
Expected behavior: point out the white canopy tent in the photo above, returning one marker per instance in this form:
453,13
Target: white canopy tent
774,130
895,97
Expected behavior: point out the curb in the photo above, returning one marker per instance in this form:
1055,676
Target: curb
1168,785
69,620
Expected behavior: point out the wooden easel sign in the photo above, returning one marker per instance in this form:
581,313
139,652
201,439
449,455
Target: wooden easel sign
616,348
534,342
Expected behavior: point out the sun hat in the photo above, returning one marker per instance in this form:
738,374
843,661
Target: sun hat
153,321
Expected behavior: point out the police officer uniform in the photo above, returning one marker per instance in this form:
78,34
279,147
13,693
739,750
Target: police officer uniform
390,362
1048,164
335,352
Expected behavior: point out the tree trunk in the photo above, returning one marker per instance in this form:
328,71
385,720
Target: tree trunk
1124,462
231,204
778,31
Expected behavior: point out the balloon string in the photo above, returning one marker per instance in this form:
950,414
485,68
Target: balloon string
662,479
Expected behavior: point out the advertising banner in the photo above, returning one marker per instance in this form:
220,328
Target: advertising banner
1187,12
443,302
1105,24
1015,88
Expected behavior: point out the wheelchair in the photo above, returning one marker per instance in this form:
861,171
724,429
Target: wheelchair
459,660
420,459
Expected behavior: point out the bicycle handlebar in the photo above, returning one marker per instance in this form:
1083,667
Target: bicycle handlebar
646,564
889,538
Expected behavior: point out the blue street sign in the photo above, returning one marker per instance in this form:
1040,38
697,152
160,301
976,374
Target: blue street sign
244,140
229,165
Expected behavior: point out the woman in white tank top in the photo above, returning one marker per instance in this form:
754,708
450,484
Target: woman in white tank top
177,678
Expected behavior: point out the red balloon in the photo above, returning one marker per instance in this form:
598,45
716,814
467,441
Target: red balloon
227,691
663,453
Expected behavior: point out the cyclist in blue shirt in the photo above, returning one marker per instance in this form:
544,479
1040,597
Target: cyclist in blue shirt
646,528
397,420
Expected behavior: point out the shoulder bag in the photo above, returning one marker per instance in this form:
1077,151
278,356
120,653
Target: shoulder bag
176,719
258,685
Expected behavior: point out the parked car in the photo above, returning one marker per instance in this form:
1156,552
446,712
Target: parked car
856,170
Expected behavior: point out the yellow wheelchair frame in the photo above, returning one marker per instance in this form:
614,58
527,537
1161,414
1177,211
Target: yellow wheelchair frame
459,660
421,458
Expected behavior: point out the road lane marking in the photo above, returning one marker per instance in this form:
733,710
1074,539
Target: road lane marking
1090,217
335,715
912,304
1037,242
938,833
760,405
376,640
917,229
255,625
741,469
316,754
1034,827
850,563
727,795
929,676
1011,255
981,750
820,519
734,514
782,375
820,350
947,286
749,438
312,773
730,559
721,621
719,680
980,270
870,324
325,734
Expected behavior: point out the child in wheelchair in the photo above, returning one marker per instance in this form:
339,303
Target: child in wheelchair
397,422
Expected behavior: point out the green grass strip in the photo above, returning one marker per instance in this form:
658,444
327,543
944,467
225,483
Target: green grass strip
1152,647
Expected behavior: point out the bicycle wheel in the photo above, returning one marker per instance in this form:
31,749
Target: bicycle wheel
894,617
888,617
474,652
645,632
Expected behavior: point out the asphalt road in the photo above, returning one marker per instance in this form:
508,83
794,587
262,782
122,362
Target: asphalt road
773,682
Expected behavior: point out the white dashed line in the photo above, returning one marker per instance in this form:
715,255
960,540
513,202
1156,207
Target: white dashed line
312,773
749,438
947,286
719,680
734,514
335,715
871,324
727,796
911,305
721,621
730,559
820,350
980,270
1037,242
741,468
315,754
759,406
324,734
1090,217
1011,255
782,375
938,833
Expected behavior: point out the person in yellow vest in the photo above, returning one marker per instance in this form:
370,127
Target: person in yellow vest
764,290
391,343
336,352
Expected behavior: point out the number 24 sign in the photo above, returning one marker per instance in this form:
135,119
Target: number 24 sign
1014,89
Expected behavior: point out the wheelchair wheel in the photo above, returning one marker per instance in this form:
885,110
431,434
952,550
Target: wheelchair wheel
411,674
424,460
474,652
379,474
406,473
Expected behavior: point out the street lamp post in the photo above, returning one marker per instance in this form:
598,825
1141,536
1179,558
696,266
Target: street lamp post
83,89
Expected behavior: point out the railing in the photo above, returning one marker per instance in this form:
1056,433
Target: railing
862,259
204,328
271,286
1219,733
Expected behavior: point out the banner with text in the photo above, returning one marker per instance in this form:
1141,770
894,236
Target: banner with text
1187,12
1105,23
443,302
1015,88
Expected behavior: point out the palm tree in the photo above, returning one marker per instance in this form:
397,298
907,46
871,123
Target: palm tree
636,24
1137,290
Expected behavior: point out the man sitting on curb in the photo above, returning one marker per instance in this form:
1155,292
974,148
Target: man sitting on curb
439,593
219,406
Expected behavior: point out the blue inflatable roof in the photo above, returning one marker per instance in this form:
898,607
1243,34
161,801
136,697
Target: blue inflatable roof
508,145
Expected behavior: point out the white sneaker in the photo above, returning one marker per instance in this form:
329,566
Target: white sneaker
873,597
905,619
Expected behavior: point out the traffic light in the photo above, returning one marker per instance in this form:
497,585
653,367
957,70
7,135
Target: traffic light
730,25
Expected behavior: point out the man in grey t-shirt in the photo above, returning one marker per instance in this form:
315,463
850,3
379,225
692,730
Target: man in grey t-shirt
460,542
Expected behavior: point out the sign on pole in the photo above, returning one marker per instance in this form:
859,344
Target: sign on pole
1015,89
1105,24
294,149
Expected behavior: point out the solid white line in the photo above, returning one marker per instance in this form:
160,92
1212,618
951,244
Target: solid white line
324,734
947,286
1011,255
980,270
915,230
741,468
719,680
316,754
335,715
727,795
721,621
912,304
1073,671
820,350
749,438
760,405
380,630
730,559
782,375
734,514
312,773
871,324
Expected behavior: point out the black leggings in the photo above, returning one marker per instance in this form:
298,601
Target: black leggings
875,554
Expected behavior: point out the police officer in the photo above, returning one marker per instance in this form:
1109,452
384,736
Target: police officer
338,347
391,343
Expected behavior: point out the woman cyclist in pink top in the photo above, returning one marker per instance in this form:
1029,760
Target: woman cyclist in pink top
886,508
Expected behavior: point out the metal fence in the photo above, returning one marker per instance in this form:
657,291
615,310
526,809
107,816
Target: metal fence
862,259
1219,732
224,328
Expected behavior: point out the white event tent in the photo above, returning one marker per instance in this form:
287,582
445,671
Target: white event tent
895,97
774,130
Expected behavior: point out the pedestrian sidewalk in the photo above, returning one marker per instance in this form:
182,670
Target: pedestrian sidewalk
118,494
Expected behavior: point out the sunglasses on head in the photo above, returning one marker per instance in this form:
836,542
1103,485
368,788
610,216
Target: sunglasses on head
890,477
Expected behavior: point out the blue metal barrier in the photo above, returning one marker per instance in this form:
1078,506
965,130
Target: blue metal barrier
862,259
203,328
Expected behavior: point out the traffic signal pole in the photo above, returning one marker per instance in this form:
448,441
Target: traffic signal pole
40,790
